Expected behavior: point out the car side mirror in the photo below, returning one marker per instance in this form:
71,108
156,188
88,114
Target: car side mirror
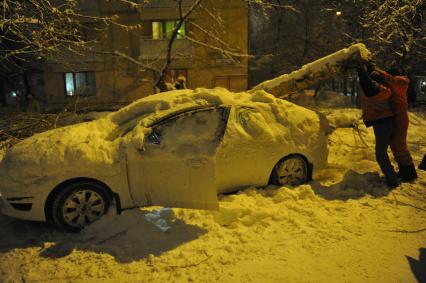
153,138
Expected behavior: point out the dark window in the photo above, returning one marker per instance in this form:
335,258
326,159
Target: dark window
164,29
173,75
80,84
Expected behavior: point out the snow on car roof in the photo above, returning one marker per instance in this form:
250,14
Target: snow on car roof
179,99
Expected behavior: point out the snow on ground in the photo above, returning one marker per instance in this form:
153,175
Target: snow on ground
345,226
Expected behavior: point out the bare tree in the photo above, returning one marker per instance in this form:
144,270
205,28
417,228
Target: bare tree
35,31
294,33
394,29
209,33
183,16
397,30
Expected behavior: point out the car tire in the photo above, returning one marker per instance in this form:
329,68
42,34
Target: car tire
292,170
79,204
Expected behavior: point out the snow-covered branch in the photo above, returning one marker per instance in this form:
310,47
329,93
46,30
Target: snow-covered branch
315,72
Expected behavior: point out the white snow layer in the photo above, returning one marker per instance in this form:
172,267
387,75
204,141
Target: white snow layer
345,226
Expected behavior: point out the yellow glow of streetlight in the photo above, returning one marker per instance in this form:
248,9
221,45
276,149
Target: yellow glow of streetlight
338,13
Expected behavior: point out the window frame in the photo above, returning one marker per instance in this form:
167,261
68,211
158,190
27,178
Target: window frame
241,115
164,35
155,136
74,81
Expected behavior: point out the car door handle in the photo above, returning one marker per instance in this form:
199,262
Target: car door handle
196,163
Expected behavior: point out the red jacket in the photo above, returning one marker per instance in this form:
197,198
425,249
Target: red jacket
399,87
376,107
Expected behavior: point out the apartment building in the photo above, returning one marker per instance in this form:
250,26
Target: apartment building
120,67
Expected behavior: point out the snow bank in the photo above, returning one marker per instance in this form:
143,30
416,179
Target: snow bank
344,118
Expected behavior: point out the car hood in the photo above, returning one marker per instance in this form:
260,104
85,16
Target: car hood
82,148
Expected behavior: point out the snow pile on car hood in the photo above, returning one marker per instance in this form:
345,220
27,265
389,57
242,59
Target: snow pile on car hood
59,150
89,146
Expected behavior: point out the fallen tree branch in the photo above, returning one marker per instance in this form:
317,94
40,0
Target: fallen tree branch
359,133
408,231
407,204
193,264
103,241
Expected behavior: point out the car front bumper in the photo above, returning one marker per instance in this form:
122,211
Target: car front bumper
23,207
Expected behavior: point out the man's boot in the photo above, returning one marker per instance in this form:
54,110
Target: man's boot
403,171
392,180
409,173
422,165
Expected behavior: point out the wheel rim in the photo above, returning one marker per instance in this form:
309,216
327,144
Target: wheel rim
83,207
292,171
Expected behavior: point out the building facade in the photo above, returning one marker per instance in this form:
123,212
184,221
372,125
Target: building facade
120,67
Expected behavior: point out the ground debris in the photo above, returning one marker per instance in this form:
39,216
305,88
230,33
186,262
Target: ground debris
17,126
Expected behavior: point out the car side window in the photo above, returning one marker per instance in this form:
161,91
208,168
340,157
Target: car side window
252,121
198,130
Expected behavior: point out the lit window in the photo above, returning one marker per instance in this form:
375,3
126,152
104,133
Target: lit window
157,30
81,83
164,29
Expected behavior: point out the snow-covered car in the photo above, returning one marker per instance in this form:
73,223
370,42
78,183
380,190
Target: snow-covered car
176,149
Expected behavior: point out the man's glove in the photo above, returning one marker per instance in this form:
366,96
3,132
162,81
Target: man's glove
371,67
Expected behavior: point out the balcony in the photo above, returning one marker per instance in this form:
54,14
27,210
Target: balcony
154,49
165,4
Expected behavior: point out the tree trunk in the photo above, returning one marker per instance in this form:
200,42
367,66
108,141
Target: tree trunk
161,83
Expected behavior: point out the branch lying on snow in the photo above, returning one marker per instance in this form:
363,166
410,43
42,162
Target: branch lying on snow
407,204
103,241
356,128
410,205
190,265
193,264
408,231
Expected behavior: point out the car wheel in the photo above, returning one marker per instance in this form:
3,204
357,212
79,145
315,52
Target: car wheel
291,170
79,204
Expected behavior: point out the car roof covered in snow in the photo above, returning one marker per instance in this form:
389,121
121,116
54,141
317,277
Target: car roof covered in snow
164,103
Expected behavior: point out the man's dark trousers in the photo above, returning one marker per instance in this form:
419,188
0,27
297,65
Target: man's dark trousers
383,132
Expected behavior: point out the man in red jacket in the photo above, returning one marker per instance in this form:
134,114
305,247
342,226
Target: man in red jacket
398,85
377,112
